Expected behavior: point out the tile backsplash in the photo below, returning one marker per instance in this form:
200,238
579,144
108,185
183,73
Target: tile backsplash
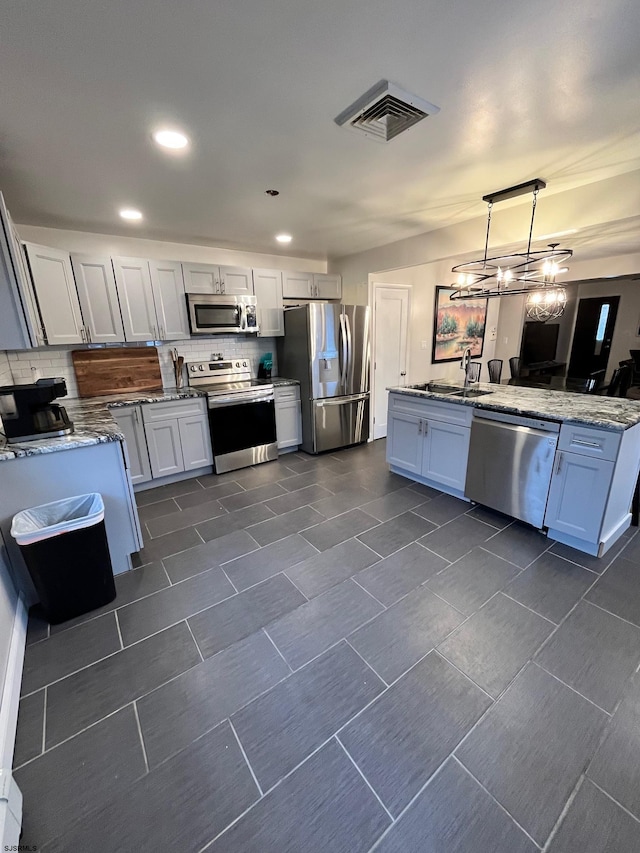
30,365
6,376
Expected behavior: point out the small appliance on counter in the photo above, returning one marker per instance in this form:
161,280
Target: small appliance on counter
265,366
28,413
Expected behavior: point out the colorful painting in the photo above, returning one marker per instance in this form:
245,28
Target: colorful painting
457,325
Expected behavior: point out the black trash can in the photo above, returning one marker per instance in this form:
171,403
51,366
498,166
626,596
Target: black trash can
64,545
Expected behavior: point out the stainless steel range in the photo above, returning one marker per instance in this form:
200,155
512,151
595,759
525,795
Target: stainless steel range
242,416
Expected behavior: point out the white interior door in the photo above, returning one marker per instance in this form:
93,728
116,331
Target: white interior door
390,345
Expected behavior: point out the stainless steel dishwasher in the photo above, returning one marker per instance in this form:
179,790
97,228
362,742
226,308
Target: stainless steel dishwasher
510,464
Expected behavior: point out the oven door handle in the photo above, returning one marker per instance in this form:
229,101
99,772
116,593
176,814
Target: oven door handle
240,399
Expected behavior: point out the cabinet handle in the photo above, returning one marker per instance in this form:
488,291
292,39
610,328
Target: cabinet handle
136,414
582,443
83,334
419,427
154,331
426,427
89,334
559,465
162,333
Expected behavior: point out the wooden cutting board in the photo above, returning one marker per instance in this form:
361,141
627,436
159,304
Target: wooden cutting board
116,370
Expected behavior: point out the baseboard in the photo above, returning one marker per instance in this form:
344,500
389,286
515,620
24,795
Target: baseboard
425,481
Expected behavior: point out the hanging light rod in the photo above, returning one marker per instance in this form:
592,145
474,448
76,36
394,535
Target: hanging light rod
513,192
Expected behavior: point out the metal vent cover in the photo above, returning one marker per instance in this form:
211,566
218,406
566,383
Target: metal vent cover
385,111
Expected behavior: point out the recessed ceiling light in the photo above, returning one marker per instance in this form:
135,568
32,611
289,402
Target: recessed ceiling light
173,139
283,238
131,214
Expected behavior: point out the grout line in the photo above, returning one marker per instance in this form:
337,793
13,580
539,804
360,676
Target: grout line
574,563
497,802
246,758
610,613
435,554
613,799
530,609
369,666
164,569
573,689
144,749
115,613
364,778
292,582
194,640
498,557
463,673
268,636
448,603
44,723
370,594
563,813
221,567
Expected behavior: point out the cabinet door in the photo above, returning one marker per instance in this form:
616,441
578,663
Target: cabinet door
327,286
578,495
288,424
129,420
405,442
201,278
98,298
20,324
196,442
446,450
165,451
168,295
267,285
297,285
133,281
236,280
57,296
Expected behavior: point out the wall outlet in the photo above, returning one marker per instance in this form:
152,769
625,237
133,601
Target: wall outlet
424,345
492,333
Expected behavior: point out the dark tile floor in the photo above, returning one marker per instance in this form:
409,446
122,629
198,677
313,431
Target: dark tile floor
317,655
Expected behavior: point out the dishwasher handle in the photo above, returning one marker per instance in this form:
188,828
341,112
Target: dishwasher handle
527,426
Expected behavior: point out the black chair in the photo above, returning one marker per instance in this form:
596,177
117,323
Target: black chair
620,381
616,378
514,366
635,357
594,382
494,366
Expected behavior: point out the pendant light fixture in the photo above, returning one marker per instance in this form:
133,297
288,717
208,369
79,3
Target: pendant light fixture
530,272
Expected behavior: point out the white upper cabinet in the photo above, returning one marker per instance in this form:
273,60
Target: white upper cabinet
96,285
297,285
236,280
327,286
168,294
267,285
57,295
133,280
306,285
20,323
210,278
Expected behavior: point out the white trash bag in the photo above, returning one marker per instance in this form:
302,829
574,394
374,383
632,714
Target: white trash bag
44,522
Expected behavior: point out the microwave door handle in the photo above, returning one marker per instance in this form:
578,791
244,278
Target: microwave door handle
243,317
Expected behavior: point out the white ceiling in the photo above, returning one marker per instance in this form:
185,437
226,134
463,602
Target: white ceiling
526,89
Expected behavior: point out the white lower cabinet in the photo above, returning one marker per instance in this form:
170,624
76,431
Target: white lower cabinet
178,436
129,419
578,495
288,416
404,442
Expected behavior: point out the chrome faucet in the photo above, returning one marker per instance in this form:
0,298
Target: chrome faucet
465,361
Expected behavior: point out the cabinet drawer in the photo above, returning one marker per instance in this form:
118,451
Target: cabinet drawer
153,412
285,393
435,410
599,443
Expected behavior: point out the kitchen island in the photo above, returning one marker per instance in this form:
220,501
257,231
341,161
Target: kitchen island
594,444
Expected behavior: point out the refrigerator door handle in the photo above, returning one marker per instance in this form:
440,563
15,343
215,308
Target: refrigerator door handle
345,351
349,371
338,401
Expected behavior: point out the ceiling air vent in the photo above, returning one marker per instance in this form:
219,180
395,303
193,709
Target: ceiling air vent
385,111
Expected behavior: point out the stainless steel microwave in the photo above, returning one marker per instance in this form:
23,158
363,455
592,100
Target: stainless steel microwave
212,314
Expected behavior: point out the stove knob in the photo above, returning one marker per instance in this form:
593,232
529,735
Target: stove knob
200,367
244,363
193,367
237,364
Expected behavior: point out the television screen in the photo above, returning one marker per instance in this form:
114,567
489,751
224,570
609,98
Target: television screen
539,343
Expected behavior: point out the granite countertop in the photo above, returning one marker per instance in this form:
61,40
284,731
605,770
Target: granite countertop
611,413
92,421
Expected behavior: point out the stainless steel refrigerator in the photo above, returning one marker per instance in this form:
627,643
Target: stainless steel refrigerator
326,348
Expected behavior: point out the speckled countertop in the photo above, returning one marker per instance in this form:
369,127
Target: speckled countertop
92,422
603,412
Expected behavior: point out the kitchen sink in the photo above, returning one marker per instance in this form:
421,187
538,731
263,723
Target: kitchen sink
434,387
470,392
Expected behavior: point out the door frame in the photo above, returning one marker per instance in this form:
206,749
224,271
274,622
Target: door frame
373,286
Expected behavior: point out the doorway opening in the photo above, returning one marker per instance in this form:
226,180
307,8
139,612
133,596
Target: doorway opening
592,336
390,346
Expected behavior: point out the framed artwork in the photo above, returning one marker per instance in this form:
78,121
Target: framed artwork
456,326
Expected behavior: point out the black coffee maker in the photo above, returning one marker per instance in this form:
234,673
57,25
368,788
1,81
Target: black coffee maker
28,414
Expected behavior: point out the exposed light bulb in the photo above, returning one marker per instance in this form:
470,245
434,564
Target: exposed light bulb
130,214
173,139
283,238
